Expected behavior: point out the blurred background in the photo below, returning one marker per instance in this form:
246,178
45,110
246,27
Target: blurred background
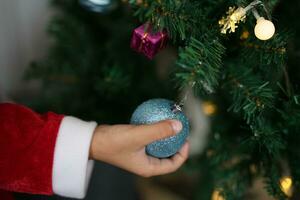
23,38
65,58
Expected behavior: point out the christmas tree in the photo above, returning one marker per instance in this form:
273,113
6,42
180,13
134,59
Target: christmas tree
226,53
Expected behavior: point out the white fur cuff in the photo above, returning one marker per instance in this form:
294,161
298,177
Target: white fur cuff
72,168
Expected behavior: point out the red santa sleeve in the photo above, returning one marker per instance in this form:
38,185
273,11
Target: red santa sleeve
44,154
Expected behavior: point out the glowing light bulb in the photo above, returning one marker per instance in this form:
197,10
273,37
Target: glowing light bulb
209,108
286,184
217,195
264,29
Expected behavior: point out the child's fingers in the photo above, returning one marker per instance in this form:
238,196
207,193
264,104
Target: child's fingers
157,131
180,157
165,166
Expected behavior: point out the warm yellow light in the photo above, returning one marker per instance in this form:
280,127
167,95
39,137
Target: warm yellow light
286,184
217,195
245,35
264,29
209,108
253,169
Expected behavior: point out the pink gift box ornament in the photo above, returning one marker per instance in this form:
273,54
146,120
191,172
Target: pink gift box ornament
147,42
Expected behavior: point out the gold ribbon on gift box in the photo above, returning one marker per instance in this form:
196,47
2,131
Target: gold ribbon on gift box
146,34
143,40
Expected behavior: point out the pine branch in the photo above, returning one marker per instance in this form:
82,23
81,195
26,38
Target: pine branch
272,52
266,140
175,16
233,181
291,127
250,95
200,62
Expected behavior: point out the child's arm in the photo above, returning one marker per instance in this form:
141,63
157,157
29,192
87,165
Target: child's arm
124,146
46,154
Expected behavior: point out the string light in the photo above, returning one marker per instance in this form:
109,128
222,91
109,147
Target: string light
264,29
245,35
217,195
209,108
253,169
286,184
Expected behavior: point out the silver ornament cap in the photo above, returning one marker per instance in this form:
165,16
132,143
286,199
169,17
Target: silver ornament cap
99,6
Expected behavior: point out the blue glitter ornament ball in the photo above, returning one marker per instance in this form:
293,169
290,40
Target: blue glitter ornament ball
156,110
99,6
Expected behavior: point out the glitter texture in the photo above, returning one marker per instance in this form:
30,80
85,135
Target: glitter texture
156,110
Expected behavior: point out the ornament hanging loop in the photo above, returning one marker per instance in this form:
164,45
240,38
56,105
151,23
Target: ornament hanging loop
177,107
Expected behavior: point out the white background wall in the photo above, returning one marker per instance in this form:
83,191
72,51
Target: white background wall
22,39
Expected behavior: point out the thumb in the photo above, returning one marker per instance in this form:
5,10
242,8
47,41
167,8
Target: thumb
157,131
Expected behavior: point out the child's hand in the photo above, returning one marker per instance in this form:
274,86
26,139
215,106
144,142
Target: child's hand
124,147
